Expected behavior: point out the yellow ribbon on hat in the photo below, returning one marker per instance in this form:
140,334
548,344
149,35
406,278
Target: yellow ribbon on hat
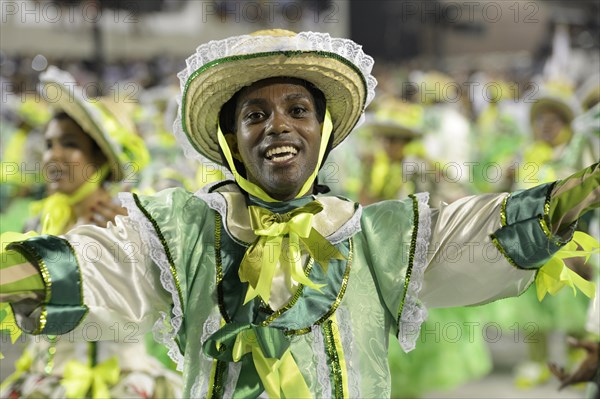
277,375
80,377
133,146
555,275
56,209
260,260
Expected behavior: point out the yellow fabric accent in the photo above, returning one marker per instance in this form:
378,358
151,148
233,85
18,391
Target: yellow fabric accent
22,365
260,260
80,377
13,154
379,172
258,192
555,275
277,375
56,210
207,174
134,148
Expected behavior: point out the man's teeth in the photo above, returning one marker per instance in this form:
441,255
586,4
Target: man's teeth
282,153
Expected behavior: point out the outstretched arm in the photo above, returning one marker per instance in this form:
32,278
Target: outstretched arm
89,277
489,247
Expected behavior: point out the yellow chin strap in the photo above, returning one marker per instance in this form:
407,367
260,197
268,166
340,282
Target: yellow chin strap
257,191
56,210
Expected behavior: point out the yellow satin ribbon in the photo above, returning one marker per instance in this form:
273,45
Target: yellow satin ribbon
260,260
277,375
555,275
56,209
79,378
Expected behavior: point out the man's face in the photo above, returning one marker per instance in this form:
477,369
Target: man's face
278,136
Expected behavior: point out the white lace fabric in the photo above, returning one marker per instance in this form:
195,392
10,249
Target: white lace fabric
414,312
167,327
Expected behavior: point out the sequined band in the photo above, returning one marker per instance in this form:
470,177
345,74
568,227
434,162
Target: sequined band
219,266
411,254
219,376
551,237
165,248
503,210
527,244
503,252
334,361
338,299
294,299
547,202
63,308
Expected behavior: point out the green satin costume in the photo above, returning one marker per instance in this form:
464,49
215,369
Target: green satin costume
172,266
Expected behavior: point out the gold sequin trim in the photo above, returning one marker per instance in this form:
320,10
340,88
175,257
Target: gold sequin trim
503,210
503,252
334,360
544,226
217,387
338,299
219,267
294,299
411,253
165,248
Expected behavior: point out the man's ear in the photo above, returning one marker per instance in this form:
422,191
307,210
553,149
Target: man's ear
231,139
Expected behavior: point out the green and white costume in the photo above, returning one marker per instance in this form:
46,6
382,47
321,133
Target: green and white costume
175,260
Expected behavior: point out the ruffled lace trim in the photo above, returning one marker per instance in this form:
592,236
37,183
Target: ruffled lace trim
320,362
348,229
345,327
246,44
167,327
414,312
200,387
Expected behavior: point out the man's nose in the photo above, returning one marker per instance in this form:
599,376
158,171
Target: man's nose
279,123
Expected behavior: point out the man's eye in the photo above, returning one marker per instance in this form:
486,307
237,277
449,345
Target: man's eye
254,116
298,111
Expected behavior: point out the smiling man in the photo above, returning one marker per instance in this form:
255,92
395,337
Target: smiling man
258,284
276,133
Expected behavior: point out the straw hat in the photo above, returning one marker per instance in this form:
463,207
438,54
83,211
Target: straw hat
589,92
105,121
557,95
218,69
393,118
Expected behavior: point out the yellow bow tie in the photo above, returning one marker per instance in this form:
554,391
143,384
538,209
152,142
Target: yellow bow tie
79,378
259,262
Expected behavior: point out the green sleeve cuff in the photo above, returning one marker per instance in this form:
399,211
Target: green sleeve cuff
525,238
63,307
